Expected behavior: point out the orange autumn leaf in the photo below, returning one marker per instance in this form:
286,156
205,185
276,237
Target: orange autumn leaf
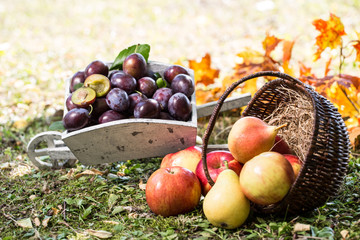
305,71
287,49
180,62
344,98
342,90
354,132
327,67
357,48
203,71
269,44
330,34
207,95
356,45
250,61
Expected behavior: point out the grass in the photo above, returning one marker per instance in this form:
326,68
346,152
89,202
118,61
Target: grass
65,204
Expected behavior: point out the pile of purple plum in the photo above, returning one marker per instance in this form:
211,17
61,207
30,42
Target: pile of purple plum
98,95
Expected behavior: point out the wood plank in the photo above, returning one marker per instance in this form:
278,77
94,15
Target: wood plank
229,104
130,139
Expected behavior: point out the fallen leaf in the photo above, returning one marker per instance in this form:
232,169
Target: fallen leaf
89,173
344,234
111,222
20,124
37,222
20,171
25,223
99,233
7,165
142,185
32,197
117,209
55,211
112,200
330,34
45,188
300,227
45,221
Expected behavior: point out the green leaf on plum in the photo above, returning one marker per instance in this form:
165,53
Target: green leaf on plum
77,86
57,126
160,82
143,49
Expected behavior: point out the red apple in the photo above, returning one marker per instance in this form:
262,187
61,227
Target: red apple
281,146
266,178
187,158
215,162
295,163
172,190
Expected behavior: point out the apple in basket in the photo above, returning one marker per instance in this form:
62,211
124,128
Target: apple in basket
172,190
266,178
295,163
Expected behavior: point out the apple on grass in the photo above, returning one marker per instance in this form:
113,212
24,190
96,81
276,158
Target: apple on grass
295,163
172,190
216,164
266,178
187,158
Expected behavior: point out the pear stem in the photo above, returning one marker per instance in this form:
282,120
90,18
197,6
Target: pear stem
281,126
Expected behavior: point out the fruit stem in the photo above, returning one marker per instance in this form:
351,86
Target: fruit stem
226,164
281,126
136,48
140,93
91,109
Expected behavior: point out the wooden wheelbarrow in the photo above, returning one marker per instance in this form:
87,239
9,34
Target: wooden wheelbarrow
122,140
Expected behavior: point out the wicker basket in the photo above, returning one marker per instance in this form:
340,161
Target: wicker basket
326,161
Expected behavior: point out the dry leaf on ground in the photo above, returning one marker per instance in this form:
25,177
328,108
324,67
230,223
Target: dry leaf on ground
99,233
300,227
25,223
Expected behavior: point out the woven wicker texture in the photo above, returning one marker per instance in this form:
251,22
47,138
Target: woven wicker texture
326,161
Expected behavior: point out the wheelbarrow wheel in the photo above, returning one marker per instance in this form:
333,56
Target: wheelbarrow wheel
44,151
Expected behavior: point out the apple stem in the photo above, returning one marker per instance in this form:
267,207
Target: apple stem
226,164
281,126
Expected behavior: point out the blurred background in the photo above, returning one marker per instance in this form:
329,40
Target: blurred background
43,42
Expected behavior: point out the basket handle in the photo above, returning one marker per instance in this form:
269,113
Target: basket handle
220,102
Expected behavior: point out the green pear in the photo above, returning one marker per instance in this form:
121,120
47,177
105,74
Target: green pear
250,136
225,205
